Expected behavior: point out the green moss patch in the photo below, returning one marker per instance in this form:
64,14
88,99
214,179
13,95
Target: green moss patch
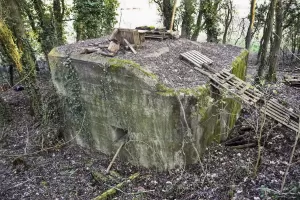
239,65
116,64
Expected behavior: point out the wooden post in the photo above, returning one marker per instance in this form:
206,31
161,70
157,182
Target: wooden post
173,15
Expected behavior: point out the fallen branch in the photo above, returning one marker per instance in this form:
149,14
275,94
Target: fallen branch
103,45
245,146
106,53
238,138
130,46
112,191
88,51
114,158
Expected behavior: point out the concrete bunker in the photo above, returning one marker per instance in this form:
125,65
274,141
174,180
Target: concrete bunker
165,111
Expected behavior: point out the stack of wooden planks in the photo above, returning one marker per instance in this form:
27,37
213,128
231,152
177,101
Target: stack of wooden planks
293,80
248,94
159,34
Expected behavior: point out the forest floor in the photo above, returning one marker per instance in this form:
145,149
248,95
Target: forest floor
32,169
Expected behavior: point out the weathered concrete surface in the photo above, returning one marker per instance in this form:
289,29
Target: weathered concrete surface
107,101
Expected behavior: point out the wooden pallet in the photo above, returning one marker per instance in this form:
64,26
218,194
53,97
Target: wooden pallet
246,92
197,58
292,80
242,90
156,36
281,114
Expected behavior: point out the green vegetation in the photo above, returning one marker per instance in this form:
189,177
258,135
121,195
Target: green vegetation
94,18
115,64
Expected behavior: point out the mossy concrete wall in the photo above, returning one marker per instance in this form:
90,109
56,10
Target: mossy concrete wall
108,101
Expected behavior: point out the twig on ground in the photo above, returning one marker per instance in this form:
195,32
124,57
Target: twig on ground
53,147
26,141
108,193
115,156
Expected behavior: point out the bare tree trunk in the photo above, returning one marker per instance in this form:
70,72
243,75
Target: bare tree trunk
187,20
210,13
58,15
165,7
249,32
266,38
47,34
273,59
167,13
199,25
228,19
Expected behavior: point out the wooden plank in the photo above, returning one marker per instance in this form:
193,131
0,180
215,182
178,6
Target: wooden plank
130,46
205,58
242,96
202,71
255,90
277,112
199,56
230,77
114,34
245,88
282,115
292,125
192,56
250,97
274,115
279,120
282,107
193,61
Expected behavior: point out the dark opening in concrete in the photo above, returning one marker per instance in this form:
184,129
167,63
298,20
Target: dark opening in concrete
119,133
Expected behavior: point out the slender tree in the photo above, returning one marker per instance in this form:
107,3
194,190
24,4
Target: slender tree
188,18
210,14
228,8
199,25
266,39
59,10
165,8
274,53
19,51
94,18
250,29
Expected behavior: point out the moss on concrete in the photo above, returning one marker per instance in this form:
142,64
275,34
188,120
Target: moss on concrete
116,63
120,95
239,65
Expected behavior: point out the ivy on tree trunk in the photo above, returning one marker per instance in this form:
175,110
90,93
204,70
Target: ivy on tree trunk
188,18
19,51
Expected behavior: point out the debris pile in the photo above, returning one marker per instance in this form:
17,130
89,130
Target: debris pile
128,39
